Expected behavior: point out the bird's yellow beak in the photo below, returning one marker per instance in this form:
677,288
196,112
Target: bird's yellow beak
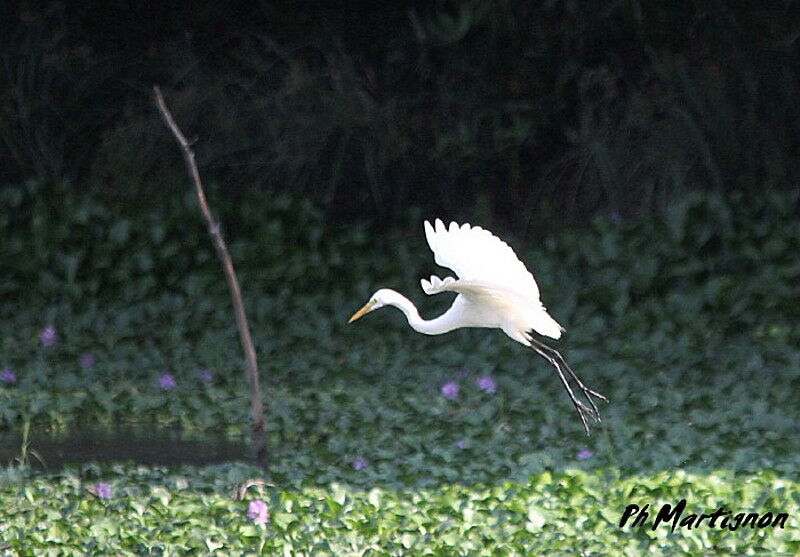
363,311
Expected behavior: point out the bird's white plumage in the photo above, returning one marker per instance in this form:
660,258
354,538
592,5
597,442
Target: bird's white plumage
496,287
476,254
436,285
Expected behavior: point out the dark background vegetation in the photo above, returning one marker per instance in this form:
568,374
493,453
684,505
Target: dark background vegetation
501,111
640,157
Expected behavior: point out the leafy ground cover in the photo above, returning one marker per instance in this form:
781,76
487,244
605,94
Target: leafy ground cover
389,442
139,510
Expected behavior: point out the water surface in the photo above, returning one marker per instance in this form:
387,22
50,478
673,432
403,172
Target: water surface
142,445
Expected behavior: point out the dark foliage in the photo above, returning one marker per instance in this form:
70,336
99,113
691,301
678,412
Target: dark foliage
505,109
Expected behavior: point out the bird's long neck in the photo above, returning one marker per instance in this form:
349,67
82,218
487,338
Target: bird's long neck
436,326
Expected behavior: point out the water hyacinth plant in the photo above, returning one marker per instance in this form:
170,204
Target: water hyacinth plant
103,490
450,390
87,360
167,382
8,375
439,472
486,384
258,511
359,464
48,336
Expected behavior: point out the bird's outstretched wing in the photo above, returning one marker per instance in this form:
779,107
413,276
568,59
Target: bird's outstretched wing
476,254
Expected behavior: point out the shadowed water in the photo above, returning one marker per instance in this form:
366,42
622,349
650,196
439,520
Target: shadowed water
140,445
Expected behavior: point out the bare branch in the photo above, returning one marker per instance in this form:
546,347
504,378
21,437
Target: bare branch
256,403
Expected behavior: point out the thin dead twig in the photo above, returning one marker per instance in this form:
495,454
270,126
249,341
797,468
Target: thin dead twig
256,403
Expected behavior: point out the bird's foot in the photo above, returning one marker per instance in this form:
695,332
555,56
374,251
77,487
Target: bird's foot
587,413
588,394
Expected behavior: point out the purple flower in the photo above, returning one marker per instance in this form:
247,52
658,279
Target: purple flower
48,336
583,454
167,382
486,384
8,376
102,490
359,464
450,390
258,511
461,444
462,373
206,375
87,360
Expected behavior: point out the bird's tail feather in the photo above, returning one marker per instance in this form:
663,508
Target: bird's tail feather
547,326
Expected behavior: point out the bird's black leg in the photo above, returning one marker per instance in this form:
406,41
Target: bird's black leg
582,409
557,360
587,392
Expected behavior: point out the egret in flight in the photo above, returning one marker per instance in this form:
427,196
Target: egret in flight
495,290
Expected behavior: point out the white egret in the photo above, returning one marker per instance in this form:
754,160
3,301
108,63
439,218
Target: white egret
494,290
